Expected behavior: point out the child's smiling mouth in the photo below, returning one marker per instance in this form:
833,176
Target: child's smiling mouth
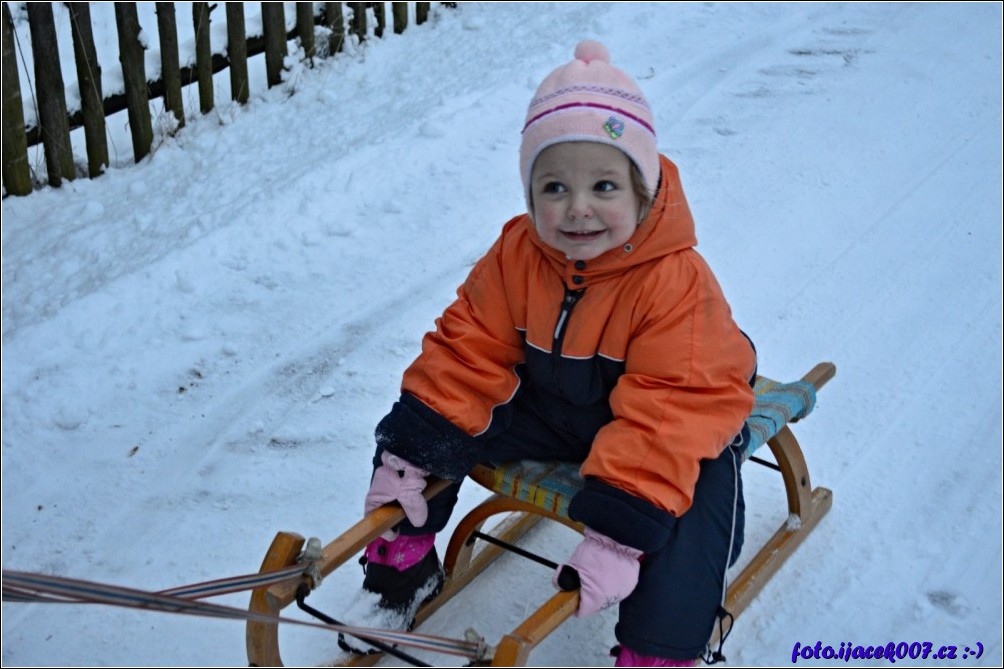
581,235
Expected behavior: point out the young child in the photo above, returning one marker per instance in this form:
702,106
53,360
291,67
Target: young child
591,332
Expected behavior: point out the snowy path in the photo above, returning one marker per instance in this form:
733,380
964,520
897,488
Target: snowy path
196,349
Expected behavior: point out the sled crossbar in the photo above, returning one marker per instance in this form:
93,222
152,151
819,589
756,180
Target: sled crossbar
528,492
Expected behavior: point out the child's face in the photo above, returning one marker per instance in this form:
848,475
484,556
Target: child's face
584,202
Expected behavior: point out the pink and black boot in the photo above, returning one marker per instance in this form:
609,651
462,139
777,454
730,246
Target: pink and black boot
405,572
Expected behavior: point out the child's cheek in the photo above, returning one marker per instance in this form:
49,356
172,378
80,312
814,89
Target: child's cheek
546,222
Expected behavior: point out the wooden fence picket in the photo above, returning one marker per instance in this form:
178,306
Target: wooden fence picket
273,24
380,15
134,75
167,29
400,12
237,51
16,175
89,82
335,21
358,24
49,91
305,29
203,55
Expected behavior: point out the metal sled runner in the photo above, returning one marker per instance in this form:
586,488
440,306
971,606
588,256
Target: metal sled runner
528,492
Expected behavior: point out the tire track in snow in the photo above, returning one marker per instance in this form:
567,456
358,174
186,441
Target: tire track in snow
243,422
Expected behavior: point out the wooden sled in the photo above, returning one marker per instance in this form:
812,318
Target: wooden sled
529,492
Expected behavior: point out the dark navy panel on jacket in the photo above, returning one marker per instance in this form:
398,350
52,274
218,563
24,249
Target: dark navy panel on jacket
571,394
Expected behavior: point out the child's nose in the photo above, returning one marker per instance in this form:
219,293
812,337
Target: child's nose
580,207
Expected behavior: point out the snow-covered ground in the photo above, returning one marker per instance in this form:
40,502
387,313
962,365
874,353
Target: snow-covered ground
196,349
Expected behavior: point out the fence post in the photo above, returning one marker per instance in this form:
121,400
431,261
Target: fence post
134,74
274,26
89,82
335,20
52,117
305,28
421,12
358,25
170,68
16,175
203,55
400,11
380,14
237,51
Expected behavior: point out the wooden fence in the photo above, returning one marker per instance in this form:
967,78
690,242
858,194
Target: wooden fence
55,123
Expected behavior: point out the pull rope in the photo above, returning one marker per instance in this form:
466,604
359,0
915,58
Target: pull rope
27,587
226,586
223,586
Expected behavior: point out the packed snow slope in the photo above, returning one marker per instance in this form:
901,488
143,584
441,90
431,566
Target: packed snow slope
196,349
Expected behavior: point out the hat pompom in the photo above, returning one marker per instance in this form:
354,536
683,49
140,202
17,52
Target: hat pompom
588,51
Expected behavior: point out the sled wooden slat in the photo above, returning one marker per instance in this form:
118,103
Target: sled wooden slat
544,497
775,552
514,649
263,638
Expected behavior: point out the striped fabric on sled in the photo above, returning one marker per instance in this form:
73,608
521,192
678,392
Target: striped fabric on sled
551,485
777,404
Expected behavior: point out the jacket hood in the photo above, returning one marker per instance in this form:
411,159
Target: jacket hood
667,228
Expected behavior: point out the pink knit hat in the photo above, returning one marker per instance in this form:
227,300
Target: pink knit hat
588,100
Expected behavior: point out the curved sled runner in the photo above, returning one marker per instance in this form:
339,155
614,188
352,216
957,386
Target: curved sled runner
528,492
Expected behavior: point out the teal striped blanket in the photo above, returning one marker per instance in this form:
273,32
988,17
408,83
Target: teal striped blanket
551,485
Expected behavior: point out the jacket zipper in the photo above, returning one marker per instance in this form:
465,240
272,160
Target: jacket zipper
571,298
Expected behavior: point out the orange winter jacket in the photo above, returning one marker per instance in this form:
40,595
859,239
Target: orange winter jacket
642,330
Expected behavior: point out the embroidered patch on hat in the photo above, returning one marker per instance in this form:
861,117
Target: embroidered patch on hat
614,127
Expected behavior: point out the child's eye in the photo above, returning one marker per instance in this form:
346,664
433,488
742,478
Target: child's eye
554,187
605,186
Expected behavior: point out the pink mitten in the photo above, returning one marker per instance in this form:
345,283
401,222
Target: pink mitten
397,480
608,572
